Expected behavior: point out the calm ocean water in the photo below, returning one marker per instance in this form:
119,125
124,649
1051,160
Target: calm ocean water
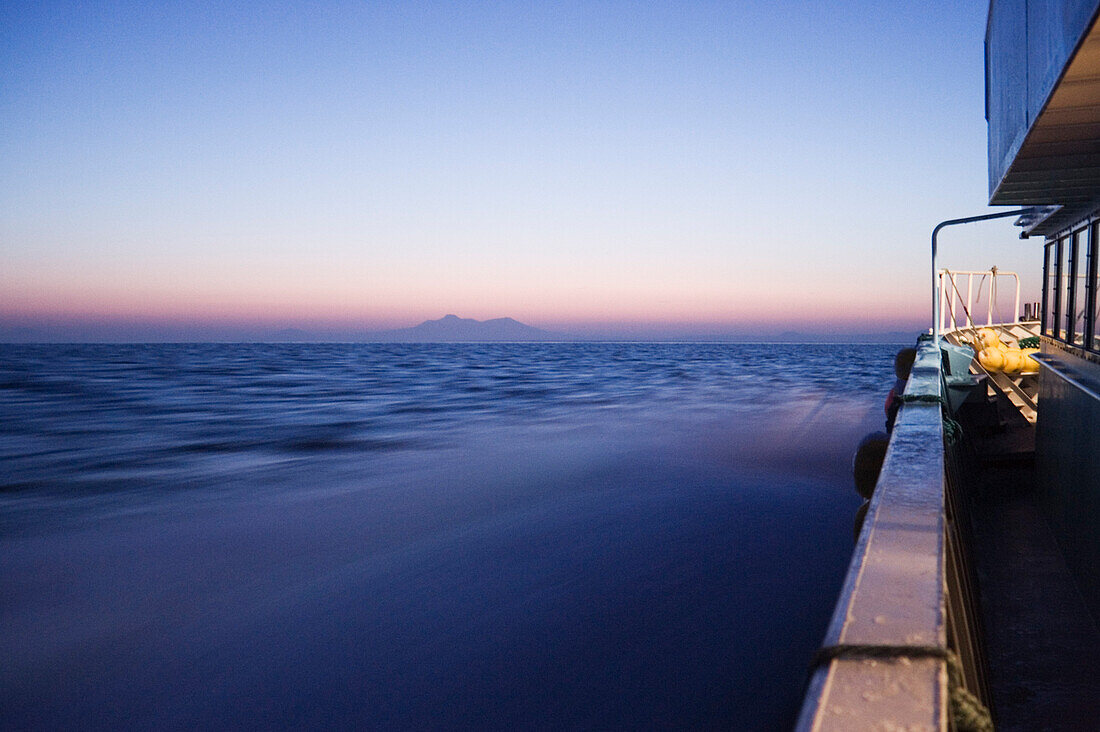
423,536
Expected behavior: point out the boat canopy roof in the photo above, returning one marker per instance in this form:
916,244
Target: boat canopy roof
1043,108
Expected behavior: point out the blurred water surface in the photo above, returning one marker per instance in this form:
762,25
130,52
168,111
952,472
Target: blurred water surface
423,536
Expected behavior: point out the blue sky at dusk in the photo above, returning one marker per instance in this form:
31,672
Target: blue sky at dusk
597,167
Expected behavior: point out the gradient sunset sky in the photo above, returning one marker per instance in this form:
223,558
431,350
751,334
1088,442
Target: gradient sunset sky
168,170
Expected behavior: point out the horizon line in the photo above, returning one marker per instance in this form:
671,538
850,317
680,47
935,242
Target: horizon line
670,341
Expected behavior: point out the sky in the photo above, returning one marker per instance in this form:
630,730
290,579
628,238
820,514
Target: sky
181,170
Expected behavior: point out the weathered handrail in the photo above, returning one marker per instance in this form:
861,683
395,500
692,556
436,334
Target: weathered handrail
895,591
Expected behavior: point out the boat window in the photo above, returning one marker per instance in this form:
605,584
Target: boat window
1093,302
1075,296
1050,290
1065,279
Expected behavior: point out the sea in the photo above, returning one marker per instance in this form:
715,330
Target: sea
424,536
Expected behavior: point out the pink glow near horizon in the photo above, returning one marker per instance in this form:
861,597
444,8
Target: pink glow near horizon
638,170
626,304
274,318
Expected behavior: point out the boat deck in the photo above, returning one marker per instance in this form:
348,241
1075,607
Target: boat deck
955,553
1042,645
1021,390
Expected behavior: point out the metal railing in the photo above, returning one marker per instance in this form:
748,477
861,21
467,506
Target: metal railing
1024,217
906,587
953,307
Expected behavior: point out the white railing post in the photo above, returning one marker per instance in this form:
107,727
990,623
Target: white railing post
947,303
943,301
992,295
955,290
1016,316
969,299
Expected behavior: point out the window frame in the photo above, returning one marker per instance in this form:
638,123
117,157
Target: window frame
1090,289
1056,318
1073,239
1048,249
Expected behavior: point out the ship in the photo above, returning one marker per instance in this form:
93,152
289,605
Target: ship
972,597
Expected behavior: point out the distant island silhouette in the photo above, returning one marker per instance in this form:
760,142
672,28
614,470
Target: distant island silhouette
448,329
453,329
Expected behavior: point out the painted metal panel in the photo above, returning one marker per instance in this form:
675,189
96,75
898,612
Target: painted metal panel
1028,46
1006,84
1068,461
1053,29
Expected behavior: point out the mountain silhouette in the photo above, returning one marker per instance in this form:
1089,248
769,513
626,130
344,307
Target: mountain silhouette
451,328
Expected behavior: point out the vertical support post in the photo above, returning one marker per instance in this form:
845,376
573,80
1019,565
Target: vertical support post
936,280
992,295
969,300
1016,312
954,293
943,301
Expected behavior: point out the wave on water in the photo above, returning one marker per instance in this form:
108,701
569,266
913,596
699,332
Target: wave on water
409,535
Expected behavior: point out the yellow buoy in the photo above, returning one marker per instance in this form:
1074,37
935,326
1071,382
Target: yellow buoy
989,338
1031,366
991,359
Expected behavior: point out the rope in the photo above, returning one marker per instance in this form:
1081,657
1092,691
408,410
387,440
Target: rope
966,310
981,284
952,430
929,398
967,711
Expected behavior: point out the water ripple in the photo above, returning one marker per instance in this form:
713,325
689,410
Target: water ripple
69,411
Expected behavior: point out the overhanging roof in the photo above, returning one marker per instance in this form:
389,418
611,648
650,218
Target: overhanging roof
1058,162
